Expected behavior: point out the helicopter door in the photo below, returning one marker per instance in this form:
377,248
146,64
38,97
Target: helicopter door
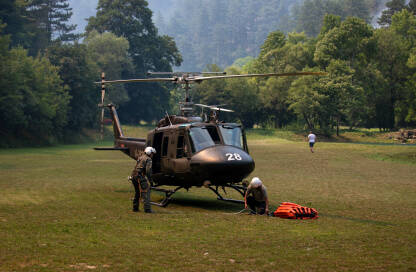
181,162
157,144
165,160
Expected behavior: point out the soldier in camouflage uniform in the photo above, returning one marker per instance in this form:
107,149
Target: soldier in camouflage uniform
141,178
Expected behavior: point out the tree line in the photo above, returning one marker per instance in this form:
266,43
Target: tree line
371,80
217,31
47,73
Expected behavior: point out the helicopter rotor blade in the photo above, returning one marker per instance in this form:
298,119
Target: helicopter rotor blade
202,105
200,79
185,73
170,79
221,109
214,108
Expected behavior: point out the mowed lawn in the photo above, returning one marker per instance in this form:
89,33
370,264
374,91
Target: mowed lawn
68,208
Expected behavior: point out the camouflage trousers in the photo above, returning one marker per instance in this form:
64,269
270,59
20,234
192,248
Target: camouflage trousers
142,190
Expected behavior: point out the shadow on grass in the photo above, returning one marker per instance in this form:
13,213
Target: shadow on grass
364,221
201,202
186,199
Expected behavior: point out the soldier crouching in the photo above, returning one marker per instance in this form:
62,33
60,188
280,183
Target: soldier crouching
141,178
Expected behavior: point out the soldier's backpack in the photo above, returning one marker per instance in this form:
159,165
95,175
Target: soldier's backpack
294,211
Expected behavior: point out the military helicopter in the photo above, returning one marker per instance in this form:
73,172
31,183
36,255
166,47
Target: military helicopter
191,151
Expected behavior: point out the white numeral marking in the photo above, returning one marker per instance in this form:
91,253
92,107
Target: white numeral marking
233,157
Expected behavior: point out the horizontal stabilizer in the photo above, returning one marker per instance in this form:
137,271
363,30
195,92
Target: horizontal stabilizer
111,148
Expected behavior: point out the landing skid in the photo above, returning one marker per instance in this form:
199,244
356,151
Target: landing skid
238,188
169,193
168,196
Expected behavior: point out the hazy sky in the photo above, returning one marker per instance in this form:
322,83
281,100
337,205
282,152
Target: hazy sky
82,9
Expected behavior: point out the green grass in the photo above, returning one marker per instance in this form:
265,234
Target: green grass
67,208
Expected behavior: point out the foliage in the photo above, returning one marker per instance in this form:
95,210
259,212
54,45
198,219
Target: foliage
33,101
309,15
49,23
110,54
393,7
77,73
149,52
223,31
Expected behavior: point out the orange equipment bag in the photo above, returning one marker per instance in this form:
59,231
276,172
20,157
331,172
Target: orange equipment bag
294,211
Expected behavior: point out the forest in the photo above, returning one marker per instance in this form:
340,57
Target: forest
47,73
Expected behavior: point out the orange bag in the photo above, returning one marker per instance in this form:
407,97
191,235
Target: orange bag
294,211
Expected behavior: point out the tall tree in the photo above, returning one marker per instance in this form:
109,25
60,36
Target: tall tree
33,101
109,53
77,73
132,19
50,22
393,6
13,14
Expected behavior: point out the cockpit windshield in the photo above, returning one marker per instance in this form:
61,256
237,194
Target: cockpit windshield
232,135
200,138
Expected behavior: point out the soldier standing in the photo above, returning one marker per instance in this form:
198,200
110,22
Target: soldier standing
141,178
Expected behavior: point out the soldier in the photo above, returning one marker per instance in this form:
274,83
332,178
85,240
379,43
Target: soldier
256,197
141,178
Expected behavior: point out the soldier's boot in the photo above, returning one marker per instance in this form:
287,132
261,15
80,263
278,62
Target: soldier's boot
135,205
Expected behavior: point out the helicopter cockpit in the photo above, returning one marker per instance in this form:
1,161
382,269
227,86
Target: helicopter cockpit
203,136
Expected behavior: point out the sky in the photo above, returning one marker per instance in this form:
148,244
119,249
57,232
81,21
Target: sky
82,9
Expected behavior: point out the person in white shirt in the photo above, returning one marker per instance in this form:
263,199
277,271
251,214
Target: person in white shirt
312,140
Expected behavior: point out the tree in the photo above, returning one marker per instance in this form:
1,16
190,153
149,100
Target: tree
310,14
348,42
282,54
78,75
343,98
404,25
50,23
33,101
412,6
12,13
393,6
306,101
132,19
244,99
109,53
330,21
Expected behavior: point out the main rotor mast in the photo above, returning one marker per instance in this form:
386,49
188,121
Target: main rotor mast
188,78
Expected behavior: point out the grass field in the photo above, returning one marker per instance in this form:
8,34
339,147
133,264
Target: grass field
67,208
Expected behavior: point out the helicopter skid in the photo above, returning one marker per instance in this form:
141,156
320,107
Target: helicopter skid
238,188
168,196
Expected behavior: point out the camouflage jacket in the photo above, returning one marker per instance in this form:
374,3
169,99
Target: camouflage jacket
143,167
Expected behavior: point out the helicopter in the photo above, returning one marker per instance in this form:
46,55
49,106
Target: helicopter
191,151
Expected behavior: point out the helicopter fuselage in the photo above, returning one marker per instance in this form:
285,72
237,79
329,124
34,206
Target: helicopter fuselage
190,152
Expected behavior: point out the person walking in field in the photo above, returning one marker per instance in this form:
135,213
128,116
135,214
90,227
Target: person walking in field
141,178
256,197
311,140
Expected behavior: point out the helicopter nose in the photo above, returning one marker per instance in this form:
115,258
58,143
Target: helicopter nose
223,163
